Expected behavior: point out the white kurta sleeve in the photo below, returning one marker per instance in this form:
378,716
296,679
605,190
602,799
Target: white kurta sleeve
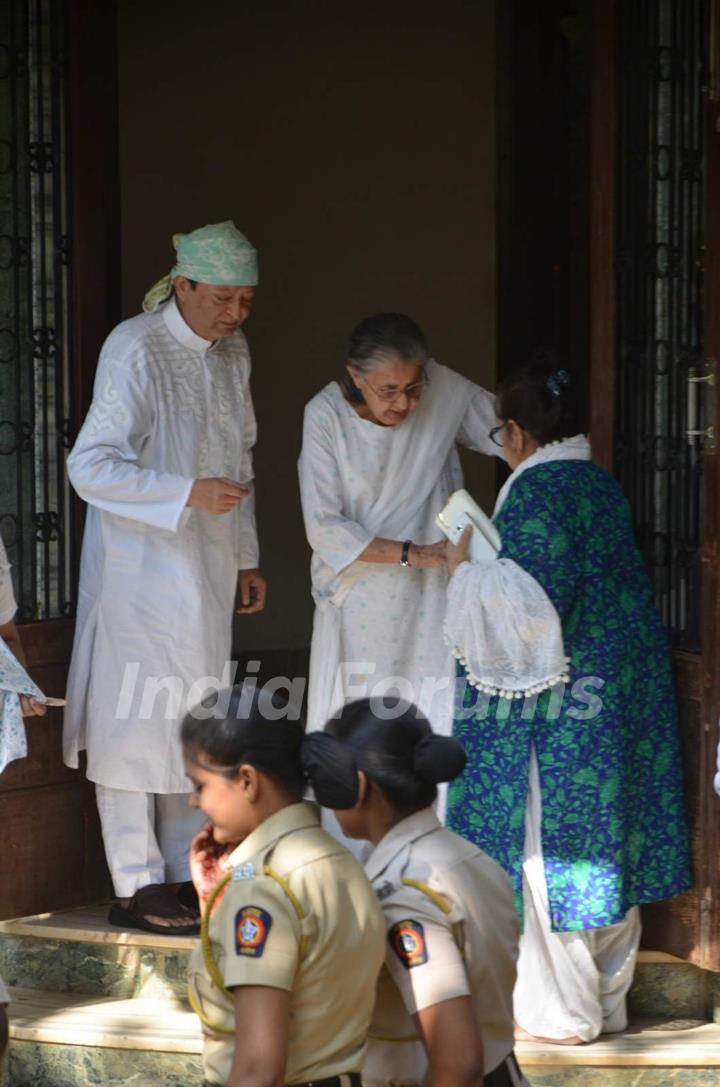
478,421
8,603
337,539
103,465
248,549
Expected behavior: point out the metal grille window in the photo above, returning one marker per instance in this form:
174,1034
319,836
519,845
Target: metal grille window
35,379
661,65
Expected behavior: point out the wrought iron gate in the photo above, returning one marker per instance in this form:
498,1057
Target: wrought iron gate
35,332
661,64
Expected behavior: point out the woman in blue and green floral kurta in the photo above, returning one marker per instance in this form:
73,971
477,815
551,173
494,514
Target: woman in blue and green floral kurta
577,790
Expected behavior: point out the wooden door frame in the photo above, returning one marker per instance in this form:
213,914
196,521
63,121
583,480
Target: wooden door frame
47,811
95,192
710,673
603,313
689,925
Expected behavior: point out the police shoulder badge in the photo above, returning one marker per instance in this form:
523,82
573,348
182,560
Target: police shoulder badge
407,939
252,927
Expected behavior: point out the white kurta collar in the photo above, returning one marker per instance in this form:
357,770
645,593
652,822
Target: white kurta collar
180,329
402,834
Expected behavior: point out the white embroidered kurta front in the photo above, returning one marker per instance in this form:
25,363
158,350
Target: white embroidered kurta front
157,579
378,628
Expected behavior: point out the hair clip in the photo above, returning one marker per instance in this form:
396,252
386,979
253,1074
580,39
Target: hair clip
557,381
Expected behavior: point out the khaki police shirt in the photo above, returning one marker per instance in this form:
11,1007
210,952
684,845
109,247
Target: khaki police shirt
459,940
328,960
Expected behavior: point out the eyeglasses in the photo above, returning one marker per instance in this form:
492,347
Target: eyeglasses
492,434
412,392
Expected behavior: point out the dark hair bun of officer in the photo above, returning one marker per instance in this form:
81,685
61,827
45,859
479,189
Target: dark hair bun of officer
439,758
330,768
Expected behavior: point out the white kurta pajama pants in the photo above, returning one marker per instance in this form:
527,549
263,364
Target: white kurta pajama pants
146,836
157,580
568,983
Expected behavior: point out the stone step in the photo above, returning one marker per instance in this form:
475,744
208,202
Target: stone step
71,1040
75,1040
650,1053
78,951
668,987
94,1004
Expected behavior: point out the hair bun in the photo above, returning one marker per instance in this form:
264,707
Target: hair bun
330,768
555,383
439,758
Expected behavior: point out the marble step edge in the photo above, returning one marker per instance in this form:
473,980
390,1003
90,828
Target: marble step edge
137,1024
89,924
45,1065
647,1043
37,1015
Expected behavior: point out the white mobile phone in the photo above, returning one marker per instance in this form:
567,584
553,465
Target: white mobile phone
481,550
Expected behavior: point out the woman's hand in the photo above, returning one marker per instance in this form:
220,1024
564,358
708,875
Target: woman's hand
452,1042
427,556
208,862
459,552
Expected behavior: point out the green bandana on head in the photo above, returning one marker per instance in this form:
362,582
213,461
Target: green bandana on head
217,254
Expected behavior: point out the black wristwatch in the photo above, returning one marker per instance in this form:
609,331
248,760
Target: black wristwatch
405,557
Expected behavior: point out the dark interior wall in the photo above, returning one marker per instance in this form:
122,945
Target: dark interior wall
543,221
355,146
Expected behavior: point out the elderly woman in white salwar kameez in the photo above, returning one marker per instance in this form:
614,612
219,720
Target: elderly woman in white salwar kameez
379,459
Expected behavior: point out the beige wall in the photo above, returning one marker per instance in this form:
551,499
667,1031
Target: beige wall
355,145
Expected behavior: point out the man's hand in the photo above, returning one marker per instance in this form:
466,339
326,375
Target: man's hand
253,590
217,495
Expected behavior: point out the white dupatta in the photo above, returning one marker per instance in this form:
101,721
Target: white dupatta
500,623
421,444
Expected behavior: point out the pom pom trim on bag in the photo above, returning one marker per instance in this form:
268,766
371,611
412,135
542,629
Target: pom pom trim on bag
488,687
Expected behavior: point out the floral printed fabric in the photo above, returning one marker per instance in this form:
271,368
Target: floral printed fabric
613,824
14,681
218,253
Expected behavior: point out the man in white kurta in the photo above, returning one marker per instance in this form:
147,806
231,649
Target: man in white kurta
164,462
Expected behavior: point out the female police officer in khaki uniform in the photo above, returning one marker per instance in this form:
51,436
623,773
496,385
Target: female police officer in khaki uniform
444,1003
292,937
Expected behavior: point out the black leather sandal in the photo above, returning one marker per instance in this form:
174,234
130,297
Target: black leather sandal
159,900
187,896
